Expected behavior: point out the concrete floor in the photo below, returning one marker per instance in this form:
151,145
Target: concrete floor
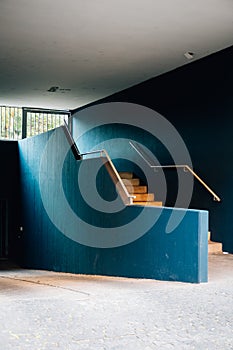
45,310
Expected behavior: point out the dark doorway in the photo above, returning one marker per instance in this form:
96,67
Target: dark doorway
3,229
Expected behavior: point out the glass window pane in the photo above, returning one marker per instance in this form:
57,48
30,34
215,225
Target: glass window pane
10,122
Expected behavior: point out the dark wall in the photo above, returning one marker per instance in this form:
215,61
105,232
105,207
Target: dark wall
197,99
9,191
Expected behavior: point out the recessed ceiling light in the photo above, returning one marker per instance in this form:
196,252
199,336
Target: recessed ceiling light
189,55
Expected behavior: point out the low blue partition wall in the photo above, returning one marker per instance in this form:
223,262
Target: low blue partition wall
73,221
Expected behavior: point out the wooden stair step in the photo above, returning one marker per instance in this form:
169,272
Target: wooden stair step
153,204
209,235
131,182
145,197
126,175
214,247
137,189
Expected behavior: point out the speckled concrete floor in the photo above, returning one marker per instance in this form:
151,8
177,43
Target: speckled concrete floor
45,310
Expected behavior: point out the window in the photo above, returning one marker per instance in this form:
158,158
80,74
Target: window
17,123
39,121
11,123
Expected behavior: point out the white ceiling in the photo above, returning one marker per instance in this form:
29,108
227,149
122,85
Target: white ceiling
93,48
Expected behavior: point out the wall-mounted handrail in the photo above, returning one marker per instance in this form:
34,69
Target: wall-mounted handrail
185,167
126,197
71,141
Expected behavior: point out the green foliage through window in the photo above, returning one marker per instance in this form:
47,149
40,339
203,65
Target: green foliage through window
11,123
37,122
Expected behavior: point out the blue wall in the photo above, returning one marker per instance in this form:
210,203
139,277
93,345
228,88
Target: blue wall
53,230
197,100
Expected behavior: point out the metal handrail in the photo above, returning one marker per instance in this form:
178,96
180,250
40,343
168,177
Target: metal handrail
79,156
71,141
128,196
185,167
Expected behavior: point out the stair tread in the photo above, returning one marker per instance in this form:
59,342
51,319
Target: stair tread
214,247
154,203
144,197
126,174
130,182
137,189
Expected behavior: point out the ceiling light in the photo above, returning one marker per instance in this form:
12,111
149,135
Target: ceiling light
189,55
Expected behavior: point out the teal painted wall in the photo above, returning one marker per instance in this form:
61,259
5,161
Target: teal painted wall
197,100
53,230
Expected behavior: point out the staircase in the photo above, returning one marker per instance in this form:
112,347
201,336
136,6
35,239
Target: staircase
142,197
